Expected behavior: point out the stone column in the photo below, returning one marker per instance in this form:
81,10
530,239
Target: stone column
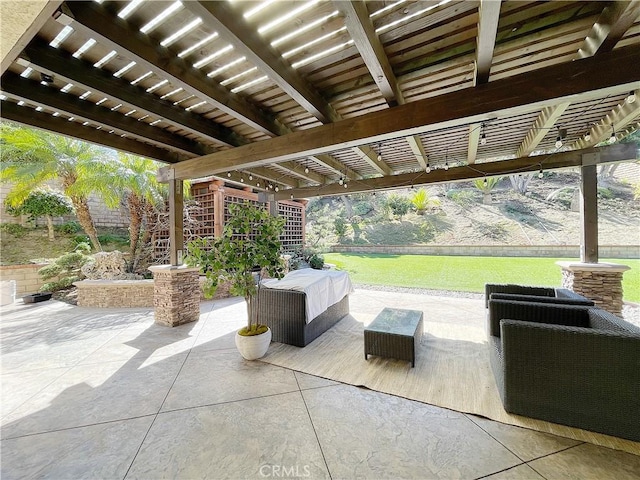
176,294
600,282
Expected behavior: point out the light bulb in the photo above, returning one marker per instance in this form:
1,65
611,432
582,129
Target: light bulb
229,174
341,181
277,188
558,142
379,157
632,97
306,169
446,165
428,169
241,179
271,186
250,177
483,139
345,185
485,182
257,184
587,137
540,174
291,196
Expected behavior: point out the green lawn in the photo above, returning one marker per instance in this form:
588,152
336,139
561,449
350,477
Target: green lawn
468,274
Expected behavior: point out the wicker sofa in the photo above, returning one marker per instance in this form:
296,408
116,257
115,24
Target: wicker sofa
531,294
568,364
283,311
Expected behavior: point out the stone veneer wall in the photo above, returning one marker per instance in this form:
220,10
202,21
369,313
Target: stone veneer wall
115,293
552,251
604,288
176,295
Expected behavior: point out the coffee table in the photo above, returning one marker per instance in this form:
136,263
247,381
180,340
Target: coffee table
393,334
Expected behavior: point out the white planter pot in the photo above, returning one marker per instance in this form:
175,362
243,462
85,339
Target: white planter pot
254,346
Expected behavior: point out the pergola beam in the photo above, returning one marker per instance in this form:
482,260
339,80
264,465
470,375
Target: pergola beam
94,21
45,121
616,18
363,34
297,170
63,65
474,141
327,161
611,72
488,17
415,144
547,119
32,91
370,156
617,119
246,40
614,153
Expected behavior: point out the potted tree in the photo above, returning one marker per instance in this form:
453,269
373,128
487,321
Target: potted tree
248,248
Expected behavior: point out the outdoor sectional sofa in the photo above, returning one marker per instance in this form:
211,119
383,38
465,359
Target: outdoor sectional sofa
568,364
290,307
537,294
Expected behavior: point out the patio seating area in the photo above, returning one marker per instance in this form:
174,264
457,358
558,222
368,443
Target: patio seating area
106,393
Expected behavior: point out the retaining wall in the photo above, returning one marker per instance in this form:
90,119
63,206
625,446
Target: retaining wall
26,277
552,251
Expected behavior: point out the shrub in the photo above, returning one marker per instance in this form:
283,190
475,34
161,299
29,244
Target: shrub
316,261
340,226
14,229
66,267
463,198
399,205
606,193
69,227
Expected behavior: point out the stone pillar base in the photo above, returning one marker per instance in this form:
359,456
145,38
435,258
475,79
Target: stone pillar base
176,295
600,282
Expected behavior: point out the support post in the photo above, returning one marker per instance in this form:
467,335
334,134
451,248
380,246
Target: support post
589,213
176,222
217,187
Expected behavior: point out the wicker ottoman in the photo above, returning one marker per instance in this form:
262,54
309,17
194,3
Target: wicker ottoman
393,334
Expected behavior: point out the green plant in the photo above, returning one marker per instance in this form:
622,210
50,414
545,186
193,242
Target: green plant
14,229
340,226
66,267
250,243
463,198
606,193
316,261
43,203
399,205
68,227
421,201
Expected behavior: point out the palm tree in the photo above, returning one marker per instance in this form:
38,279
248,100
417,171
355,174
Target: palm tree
136,180
32,158
486,185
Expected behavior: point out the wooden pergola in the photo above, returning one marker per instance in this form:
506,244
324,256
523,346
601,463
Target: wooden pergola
307,96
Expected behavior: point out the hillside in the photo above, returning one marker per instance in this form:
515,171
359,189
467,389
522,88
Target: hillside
542,216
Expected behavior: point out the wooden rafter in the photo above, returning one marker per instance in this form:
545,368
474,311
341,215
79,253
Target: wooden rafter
617,119
45,121
327,161
488,16
415,144
545,121
474,141
94,21
246,40
39,55
370,156
356,18
616,18
613,153
610,72
32,91
297,169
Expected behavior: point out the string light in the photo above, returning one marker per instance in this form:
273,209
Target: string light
587,137
561,134
558,142
341,181
291,196
485,183
483,137
241,179
250,177
632,97
257,184
428,169
229,174
277,188
379,153
612,138
446,165
540,174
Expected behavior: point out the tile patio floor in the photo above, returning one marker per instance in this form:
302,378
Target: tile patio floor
105,393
